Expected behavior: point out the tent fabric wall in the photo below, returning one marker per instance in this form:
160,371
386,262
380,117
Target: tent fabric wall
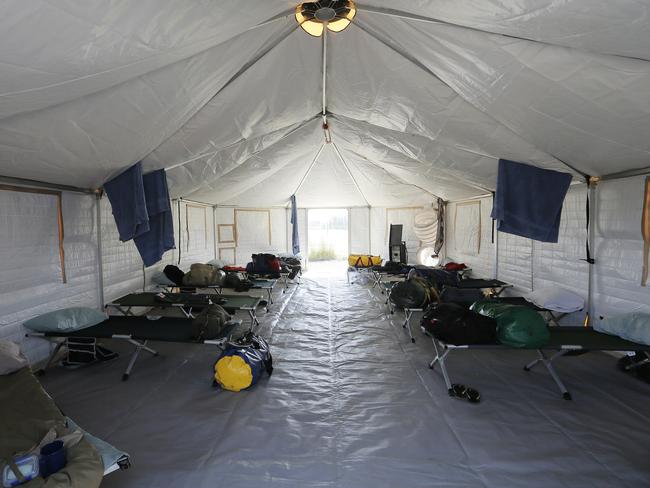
359,230
29,290
255,224
618,246
483,264
562,264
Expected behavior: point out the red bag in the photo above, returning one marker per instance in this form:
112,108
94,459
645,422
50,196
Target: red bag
455,266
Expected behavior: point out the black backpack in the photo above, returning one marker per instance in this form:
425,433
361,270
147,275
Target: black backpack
454,324
174,274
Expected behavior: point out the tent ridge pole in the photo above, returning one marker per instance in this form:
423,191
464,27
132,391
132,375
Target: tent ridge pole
400,14
311,166
212,153
396,178
347,168
44,184
626,174
438,169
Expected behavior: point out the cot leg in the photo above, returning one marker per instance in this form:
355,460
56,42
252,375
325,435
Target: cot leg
51,358
549,366
440,359
532,364
270,292
407,323
254,320
636,364
139,346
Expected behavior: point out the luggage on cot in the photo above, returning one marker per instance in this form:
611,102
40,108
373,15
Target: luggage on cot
363,260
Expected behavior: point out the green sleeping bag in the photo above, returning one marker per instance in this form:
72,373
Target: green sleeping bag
517,326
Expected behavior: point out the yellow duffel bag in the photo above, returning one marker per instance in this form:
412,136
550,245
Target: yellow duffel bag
363,260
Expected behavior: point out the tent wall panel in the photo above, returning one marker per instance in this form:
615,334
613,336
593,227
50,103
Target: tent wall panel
358,228
378,232
404,216
619,248
256,230
562,264
280,226
482,264
31,282
516,262
226,250
122,264
197,234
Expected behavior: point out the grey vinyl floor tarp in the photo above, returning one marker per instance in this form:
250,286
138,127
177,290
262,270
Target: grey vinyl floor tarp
352,403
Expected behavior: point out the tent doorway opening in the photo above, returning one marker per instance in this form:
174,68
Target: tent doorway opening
327,241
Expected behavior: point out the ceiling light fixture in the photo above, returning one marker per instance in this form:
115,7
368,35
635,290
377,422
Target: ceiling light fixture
335,14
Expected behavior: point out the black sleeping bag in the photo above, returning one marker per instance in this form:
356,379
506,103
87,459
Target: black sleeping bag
455,324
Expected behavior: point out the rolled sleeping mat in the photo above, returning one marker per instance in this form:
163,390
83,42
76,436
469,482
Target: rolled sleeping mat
517,326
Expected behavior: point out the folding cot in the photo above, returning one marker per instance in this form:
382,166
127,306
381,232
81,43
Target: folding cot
481,284
136,330
554,316
265,284
187,302
465,284
563,341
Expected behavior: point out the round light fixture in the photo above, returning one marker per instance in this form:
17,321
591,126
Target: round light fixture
335,14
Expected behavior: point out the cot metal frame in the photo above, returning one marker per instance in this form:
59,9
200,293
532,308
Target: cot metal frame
140,345
408,313
443,349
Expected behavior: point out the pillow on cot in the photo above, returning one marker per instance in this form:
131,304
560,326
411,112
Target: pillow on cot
66,320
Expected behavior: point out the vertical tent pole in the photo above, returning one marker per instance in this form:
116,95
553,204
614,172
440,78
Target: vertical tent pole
496,251
214,229
592,182
349,230
369,231
100,259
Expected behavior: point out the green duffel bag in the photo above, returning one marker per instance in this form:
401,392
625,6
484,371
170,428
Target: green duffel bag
517,326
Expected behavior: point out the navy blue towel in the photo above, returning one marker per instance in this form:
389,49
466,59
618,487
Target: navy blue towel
126,194
295,239
160,238
528,200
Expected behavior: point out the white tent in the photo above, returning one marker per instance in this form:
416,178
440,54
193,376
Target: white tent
414,103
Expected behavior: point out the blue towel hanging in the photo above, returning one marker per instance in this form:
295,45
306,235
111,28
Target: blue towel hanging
528,200
126,194
142,211
160,237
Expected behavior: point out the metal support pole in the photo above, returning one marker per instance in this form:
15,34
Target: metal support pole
591,234
100,260
214,229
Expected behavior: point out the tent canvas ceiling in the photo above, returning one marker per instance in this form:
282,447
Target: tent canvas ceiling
422,97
